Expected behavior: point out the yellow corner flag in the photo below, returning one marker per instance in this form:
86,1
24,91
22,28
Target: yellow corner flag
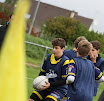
12,63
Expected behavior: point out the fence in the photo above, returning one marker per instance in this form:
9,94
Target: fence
40,46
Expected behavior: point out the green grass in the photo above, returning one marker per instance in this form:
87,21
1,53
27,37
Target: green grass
101,88
33,61
32,73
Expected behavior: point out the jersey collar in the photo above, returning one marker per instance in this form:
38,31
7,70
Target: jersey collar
53,60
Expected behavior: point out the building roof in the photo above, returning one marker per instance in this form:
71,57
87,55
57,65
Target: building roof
46,11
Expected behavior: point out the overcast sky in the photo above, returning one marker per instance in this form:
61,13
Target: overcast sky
88,8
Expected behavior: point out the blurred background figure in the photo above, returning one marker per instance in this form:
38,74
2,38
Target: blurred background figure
3,30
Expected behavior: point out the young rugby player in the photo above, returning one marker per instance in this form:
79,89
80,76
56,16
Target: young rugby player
54,68
95,57
73,52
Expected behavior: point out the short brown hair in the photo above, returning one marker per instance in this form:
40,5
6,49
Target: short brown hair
78,40
84,47
96,44
59,42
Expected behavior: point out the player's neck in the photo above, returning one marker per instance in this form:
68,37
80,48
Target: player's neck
74,49
78,54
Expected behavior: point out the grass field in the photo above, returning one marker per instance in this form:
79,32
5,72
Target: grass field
33,73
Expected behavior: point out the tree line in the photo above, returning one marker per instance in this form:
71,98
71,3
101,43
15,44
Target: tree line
69,29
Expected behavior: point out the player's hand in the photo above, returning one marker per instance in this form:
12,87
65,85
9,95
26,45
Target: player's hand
93,57
30,100
45,86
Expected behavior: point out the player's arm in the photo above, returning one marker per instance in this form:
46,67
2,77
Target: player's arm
71,72
98,75
58,83
101,67
43,70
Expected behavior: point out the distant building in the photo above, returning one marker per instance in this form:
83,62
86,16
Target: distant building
46,11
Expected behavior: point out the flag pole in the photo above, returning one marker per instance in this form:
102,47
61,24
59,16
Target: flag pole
34,17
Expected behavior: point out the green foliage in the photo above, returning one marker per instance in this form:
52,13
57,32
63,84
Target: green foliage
63,27
69,29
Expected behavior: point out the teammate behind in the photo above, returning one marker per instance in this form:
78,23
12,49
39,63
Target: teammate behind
95,57
81,75
72,53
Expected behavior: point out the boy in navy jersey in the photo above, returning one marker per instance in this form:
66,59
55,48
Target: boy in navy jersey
54,68
82,74
72,53
95,57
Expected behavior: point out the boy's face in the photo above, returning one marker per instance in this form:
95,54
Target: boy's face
57,51
94,52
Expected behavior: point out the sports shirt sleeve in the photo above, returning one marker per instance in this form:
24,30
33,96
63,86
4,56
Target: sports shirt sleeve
101,67
64,69
98,73
71,68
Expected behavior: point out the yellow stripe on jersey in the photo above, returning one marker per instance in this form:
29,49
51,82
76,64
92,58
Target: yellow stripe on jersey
38,95
43,70
52,59
72,61
71,74
65,98
68,74
64,76
66,62
99,76
49,96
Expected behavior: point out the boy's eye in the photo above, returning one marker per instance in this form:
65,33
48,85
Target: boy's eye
93,50
56,47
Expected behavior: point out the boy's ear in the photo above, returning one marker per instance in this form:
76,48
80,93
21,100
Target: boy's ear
63,48
98,50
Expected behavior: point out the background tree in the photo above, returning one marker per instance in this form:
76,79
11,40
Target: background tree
64,27
68,29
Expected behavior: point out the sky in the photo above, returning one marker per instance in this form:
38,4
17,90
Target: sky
93,9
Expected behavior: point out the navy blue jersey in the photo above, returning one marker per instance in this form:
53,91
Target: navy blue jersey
70,53
55,69
82,88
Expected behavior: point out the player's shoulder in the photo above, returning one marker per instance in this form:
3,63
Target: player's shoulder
65,57
48,56
68,50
